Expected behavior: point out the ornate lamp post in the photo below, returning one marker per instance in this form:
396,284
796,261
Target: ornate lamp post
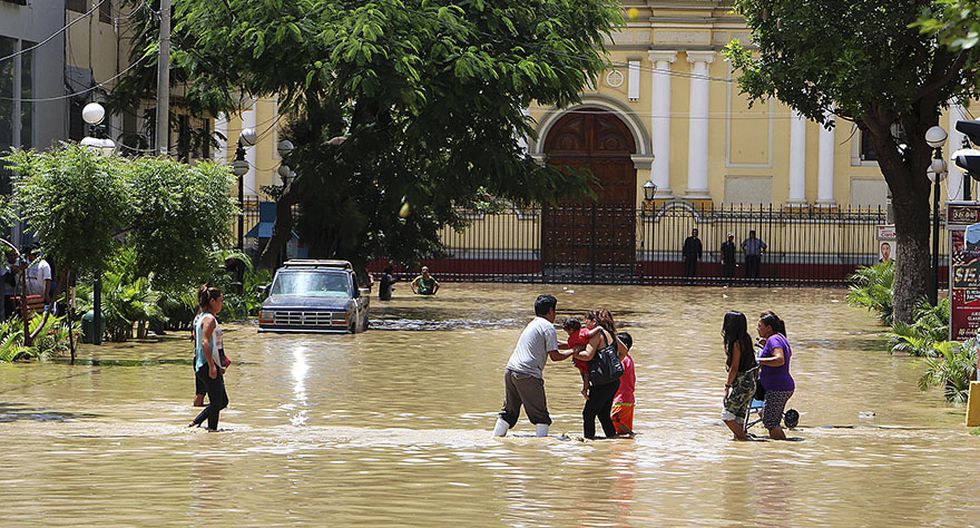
240,168
936,138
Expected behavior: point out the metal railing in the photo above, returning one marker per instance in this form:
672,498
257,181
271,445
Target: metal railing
626,245
595,244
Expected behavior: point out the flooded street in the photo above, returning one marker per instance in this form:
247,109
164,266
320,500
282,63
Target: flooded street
392,427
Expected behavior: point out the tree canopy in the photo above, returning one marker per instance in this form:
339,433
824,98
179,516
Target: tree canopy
80,205
431,96
866,62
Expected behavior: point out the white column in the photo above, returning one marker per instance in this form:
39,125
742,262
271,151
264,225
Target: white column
797,159
697,149
825,172
660,122
249,120
954,188
220,153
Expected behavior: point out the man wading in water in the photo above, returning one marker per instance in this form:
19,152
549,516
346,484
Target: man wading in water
523,377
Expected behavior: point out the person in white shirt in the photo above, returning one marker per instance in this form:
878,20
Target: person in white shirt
38,275
523,377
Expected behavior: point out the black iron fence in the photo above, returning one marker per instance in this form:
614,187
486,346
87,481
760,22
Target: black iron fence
595,244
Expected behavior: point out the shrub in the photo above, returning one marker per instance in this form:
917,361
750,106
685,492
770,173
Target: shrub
873,289
51,340
952,365
917,339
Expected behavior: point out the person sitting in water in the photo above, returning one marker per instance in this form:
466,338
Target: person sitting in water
425,284
388,281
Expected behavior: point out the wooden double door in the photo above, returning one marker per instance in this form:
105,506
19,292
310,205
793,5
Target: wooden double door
586,237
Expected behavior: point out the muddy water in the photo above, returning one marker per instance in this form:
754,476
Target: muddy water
391,427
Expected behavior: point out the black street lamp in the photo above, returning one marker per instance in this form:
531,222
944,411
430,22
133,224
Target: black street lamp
649,190
240,168
936,138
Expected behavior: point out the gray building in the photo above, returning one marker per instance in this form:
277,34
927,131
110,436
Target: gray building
29,77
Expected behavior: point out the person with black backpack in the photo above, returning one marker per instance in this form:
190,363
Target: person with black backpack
605,353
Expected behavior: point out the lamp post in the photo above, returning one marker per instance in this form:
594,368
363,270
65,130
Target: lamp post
936,138
93,114
649,190
240,168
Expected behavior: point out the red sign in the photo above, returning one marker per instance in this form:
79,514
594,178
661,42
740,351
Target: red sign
964,279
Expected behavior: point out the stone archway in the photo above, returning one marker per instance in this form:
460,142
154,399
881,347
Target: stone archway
586,238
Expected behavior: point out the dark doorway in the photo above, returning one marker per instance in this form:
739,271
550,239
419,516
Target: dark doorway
592,239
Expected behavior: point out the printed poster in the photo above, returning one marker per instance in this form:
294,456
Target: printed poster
964,270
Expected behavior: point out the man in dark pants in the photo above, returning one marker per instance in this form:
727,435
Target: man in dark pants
691,253
728,257
753,248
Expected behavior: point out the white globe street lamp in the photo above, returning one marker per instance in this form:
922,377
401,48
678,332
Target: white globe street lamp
93,114
936,137
285,148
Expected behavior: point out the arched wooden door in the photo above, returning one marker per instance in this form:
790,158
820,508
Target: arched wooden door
586,239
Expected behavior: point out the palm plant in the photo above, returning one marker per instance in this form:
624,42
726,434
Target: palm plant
873,288
917,339
52,338
953,365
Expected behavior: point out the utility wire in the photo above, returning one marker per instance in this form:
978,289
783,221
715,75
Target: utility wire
60,31
83,92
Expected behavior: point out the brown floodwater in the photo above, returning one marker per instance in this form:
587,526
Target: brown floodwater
392,427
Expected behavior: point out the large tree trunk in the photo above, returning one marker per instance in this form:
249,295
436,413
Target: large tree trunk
907,181
913,276
282,230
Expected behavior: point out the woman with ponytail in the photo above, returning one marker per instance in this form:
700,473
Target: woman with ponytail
209,363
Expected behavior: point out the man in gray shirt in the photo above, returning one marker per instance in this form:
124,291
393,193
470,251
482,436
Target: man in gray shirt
523,377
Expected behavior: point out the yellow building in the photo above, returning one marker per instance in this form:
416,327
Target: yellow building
671,93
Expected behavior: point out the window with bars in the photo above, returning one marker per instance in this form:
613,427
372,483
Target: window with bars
78,6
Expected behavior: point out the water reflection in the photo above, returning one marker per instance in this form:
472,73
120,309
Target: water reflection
299,370
391,427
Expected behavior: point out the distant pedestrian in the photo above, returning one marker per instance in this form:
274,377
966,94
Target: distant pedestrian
692,253
754,248
425,284
386,284
728,257
524,374
38,275
208,358
9,272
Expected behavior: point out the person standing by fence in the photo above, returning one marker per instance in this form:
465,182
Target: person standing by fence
692,253
728,256
753,248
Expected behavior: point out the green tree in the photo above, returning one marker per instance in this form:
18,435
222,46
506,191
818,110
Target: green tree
429,95
865,62
75,201
180,215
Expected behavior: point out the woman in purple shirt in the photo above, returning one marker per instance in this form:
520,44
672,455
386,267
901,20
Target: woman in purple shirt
774,372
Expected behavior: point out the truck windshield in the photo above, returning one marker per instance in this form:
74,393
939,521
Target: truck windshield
311,283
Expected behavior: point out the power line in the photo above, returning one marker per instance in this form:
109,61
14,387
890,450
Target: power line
60,31
83,92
